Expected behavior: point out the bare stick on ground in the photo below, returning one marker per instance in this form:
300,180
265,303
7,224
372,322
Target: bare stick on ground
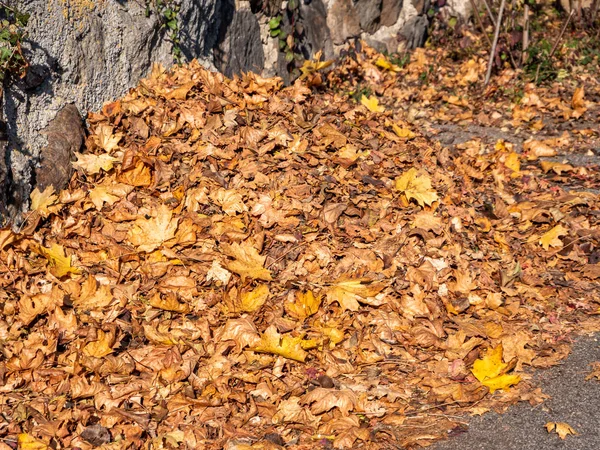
495,43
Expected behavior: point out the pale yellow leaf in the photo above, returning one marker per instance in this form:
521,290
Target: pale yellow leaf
304,304
284,345
92,164
102,346
60,264
348,293
105,138
552,237
404,133
248,262
253,300
372,104
417,186
41,201
149,234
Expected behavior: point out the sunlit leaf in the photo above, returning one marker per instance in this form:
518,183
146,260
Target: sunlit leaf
284,345
349,293
416,186
552,238
304,304
372,104
150,234
92,164
41,201
563,429
491,371
28,442
60,264
253,300
248,262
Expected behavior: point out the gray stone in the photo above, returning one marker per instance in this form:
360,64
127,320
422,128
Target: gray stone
239,47
65,134
369,13
343,21
316,31
390,11
415,31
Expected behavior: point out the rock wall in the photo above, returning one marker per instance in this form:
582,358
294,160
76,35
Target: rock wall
87,52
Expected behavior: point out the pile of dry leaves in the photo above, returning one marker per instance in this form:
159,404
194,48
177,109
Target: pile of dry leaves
240,265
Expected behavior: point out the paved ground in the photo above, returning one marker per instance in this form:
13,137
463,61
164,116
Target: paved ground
574,401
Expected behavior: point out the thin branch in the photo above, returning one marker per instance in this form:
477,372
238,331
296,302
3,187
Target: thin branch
525,34
495,43
476,13
489,10
558,39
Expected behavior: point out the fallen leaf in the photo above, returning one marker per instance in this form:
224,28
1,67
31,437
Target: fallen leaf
28,442
41,201
404,133
105,138
563,429
149,234
248,262
92,164
60,264
348,293
253,300
372,104
322,400
552,237
303,305
284,345
416,186
101,346
384,63
491,371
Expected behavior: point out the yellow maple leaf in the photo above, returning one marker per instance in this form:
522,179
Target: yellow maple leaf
404,133
563,429
371,103
105,138
311,66
149,234
248,262
100,347
304,304
384,63
284,345
512,162
552,237
60,264
28,442
253,300
416,186
491,371
41,201
92,164
348,293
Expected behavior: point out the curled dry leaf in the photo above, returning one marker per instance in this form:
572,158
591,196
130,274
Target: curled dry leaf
563,429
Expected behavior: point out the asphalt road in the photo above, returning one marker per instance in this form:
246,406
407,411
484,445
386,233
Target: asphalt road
574,401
